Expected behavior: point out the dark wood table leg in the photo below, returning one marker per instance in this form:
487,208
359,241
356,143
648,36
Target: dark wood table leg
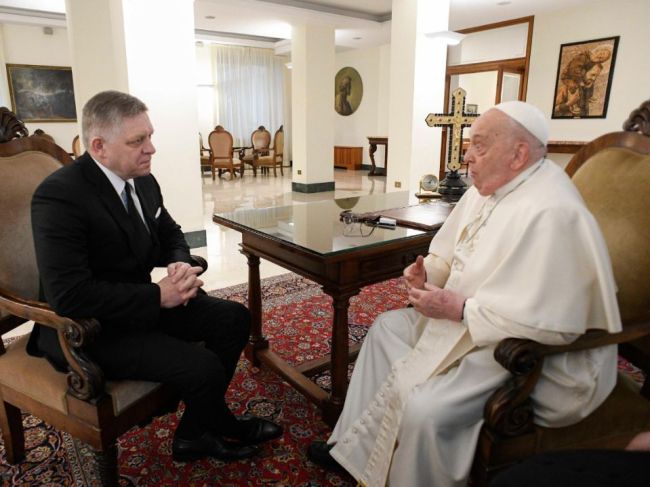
371,153
257,340
333,405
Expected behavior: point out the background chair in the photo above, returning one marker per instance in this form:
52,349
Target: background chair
612,173
260,142
274,158
80,401
204,154
222,152
76,147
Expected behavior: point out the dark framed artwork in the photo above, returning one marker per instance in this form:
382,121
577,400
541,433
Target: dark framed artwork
41,93
584,78
348,91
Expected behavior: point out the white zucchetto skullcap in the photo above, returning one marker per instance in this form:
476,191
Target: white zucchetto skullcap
527,115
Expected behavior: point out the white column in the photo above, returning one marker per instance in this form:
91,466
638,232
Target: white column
146,48
312,101
5,98
417,85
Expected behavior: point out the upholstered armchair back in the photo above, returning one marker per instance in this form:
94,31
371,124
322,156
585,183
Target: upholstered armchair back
261,138
76,147
220,142
278,143
615,183
20,174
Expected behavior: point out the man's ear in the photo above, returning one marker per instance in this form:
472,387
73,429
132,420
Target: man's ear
522,155
96,145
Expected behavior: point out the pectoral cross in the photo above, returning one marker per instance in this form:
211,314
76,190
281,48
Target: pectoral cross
453,185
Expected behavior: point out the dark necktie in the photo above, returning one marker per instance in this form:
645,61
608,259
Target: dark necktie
143,238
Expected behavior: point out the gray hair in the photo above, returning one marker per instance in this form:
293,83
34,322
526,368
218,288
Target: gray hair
104,112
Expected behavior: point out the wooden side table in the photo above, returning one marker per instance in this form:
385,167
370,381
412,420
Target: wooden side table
348,157
374,142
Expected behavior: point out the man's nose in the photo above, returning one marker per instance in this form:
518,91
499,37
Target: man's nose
149,147
468,157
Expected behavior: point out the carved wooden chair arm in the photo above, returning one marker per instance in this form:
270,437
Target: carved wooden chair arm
197,260
85,378
509,410
260,152
241,152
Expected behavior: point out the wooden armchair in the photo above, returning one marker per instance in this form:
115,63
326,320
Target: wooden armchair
41,133
80,401
260,142
76,147
612,174
204,154
274,158
222,152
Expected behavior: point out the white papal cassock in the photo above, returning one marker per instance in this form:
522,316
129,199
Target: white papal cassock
532,263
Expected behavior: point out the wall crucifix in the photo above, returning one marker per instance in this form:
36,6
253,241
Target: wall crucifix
453,186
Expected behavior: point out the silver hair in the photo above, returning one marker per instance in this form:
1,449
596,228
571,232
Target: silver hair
104,112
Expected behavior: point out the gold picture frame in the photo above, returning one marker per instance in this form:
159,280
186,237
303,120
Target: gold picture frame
42,93
348,91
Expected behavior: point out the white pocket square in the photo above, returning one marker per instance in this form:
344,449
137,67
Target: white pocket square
157,212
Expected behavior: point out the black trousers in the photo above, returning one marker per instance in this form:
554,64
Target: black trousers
579,468
170,354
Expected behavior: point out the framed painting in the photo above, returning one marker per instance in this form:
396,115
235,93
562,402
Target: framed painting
42,93
584,78
348,91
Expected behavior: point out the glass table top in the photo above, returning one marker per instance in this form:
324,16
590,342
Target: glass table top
315,225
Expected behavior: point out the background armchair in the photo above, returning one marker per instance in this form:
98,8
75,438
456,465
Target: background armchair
80,402
612,173
274,158
260,142
222,152
76,147
204,154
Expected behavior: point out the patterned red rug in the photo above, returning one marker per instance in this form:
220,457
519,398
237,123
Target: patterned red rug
297,318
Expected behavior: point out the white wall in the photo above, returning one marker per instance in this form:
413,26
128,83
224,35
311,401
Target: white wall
371,118
481,89
26,44
487,45
627,18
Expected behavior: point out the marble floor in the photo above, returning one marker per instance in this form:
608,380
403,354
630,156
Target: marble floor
226,266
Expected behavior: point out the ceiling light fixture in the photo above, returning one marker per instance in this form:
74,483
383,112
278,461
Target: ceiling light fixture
505,2
210,17
449,37
357,38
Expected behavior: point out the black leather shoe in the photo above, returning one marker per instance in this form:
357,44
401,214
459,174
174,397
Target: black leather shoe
258,430
319,453
209,445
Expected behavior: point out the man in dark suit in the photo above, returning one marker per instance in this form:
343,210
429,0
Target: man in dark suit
100,226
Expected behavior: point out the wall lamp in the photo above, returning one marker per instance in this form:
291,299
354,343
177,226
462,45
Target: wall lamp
449,37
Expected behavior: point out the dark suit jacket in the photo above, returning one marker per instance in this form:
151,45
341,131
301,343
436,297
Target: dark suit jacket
89,263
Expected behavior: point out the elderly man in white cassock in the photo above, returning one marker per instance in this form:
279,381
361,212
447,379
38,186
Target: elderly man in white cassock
519,256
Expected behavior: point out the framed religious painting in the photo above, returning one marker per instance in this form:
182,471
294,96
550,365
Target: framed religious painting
584,78
348,91
41,93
